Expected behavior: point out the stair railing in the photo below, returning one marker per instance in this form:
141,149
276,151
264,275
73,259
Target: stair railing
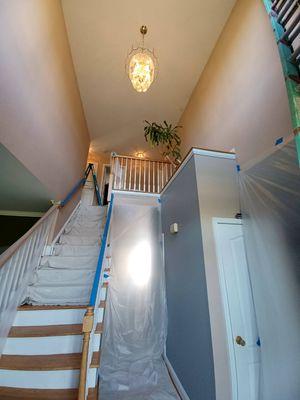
91,316
19,262
140,175
17,266
285,20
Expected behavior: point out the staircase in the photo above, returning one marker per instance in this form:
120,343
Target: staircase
285,20
42,355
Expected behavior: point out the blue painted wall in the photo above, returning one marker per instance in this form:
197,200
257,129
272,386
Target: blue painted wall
189,347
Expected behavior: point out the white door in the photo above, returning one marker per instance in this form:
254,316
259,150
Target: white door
243,340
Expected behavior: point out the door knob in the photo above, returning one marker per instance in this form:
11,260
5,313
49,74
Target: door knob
240,341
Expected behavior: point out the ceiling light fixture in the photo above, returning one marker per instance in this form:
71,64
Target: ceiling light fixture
140,154
141,65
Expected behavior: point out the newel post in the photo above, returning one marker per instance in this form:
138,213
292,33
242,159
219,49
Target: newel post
87,327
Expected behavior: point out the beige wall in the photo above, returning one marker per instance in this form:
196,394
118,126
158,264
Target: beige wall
101,159
240,100
41,117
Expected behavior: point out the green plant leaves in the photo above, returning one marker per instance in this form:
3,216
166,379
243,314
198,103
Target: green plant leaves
166,136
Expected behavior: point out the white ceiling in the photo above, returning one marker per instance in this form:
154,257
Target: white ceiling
182,33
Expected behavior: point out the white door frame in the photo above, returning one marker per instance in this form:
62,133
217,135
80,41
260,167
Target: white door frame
230,344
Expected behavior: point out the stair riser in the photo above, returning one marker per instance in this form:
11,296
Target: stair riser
103,294
76,262
65,379
74,251
49,317
54,317
79,240
47,345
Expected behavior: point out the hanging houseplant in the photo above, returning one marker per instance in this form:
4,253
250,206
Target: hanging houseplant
166,138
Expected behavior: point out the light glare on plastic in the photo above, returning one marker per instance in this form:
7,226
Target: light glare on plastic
139,263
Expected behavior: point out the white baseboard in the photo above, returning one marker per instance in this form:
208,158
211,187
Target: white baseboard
183,394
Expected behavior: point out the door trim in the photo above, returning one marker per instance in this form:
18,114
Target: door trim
230,345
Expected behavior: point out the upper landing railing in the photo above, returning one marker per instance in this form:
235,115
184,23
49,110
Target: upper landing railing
285,19
140,175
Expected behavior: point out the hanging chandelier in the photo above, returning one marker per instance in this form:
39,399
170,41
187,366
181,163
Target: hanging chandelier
141,65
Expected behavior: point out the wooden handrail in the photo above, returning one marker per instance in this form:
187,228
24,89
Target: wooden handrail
14,247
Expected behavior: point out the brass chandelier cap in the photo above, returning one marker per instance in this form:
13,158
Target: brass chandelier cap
143,29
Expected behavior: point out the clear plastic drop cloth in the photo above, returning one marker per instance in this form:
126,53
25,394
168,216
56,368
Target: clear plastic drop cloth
132,366
270,197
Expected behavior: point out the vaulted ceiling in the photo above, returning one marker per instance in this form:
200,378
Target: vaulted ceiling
182,33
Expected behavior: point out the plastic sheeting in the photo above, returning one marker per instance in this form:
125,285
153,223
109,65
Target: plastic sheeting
270,195
135,319
66,277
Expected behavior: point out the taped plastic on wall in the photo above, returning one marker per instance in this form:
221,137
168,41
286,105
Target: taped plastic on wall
270,197
136,317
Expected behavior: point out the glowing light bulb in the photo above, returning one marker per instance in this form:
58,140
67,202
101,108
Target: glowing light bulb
141,71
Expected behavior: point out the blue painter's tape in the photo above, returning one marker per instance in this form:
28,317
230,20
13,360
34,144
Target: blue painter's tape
238,168
258,342
279,141
106,276
159,200
101,255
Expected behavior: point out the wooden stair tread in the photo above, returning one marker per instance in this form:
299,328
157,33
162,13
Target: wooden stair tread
48,362
93,393
49,330
10,393
95,362
28,307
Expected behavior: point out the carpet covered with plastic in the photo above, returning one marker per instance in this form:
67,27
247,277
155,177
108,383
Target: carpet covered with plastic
132,366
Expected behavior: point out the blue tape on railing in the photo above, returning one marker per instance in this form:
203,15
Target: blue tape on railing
97,277
81,183
72,192
238,168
